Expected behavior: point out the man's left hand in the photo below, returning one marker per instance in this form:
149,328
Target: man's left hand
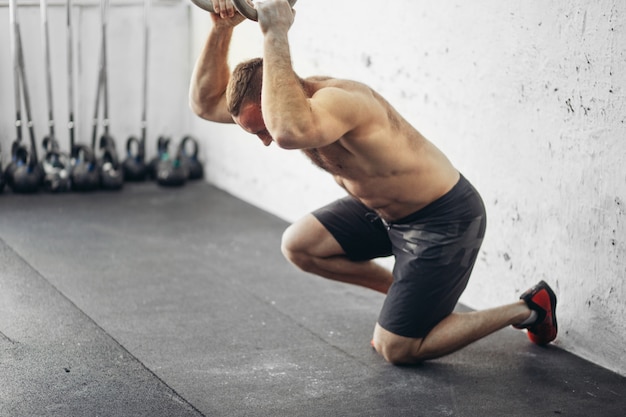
275,15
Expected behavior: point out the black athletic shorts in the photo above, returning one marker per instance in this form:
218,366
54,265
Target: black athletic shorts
434,248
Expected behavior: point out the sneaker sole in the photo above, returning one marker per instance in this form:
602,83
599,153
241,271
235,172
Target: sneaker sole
544,333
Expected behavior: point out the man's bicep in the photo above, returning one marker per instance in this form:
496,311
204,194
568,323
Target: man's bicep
215,111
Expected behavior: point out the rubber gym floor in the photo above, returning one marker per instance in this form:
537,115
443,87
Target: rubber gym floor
177,302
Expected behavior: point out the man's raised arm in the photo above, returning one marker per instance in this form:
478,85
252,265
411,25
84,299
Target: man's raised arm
294,117
210,77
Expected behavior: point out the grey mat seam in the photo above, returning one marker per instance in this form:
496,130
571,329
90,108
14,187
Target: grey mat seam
7,338
41,276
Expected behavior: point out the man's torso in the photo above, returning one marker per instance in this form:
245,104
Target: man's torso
385,162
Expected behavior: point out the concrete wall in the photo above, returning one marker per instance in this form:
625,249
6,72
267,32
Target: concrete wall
528,100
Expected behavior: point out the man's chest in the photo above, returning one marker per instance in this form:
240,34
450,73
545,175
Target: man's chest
334,159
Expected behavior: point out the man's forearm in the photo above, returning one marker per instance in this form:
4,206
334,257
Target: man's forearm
285,105
211,74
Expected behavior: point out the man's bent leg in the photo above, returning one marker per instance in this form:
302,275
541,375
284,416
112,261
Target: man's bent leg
311,247
451,334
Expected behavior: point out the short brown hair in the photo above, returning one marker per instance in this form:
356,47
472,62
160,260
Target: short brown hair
244,85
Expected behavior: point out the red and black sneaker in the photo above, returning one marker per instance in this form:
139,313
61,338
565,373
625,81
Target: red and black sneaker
541,299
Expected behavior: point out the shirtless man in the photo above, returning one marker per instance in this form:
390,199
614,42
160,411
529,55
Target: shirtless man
405,197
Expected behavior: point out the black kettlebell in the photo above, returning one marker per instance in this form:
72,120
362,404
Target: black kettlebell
134,166
162,144
170,172
19,154
56,167
2,181
196,170
23,174
84,174
111,173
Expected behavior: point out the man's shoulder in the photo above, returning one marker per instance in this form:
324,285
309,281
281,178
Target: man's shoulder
318,82
319,78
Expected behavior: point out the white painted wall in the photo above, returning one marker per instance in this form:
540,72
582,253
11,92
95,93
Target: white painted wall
528,100
526,97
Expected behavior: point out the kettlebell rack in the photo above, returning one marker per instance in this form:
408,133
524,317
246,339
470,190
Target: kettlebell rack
91,164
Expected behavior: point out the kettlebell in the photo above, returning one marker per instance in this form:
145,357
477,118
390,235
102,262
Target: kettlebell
84,174
134,166
194,166
111,173
162,144
23,174
56,167
2,182
170,172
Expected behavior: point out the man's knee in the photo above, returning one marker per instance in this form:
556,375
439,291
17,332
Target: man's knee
395,349
396,353
306,242
298,247
294,249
